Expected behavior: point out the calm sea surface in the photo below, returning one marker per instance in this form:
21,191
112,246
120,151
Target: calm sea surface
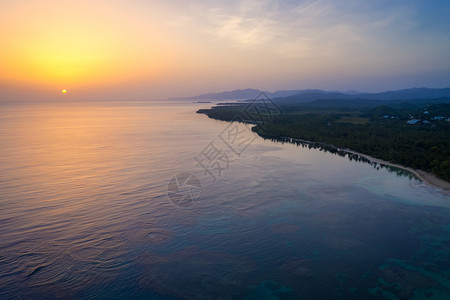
85,212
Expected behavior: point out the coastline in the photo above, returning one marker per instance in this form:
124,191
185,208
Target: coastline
423,176
426,177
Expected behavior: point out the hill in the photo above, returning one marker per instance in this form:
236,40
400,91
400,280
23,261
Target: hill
310,95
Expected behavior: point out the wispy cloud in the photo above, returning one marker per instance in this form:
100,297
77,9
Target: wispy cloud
267,43
292,29
312,27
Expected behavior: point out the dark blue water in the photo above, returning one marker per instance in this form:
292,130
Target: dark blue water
85,213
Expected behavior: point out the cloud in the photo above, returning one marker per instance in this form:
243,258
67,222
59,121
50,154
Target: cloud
336,32
239,43
299,28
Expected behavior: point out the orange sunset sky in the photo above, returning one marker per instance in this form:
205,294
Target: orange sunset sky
126,50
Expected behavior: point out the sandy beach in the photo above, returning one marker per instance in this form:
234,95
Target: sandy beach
426,177
422,175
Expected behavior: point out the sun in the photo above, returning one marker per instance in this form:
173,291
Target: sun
64,91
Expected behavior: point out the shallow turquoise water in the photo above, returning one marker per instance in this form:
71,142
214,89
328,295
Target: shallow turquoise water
84,213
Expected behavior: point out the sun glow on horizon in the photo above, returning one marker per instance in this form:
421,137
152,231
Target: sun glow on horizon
139,49
53,45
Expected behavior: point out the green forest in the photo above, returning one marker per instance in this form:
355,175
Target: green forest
412,133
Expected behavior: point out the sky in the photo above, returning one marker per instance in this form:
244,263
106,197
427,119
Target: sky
138,49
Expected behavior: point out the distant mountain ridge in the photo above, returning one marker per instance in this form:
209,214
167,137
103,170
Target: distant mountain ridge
228,95
309,95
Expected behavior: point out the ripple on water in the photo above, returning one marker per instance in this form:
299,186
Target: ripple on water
59,270
159,235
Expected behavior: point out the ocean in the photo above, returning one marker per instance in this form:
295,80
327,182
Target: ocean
147,199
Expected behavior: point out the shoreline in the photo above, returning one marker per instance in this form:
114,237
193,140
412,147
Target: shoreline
423,176
426,177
